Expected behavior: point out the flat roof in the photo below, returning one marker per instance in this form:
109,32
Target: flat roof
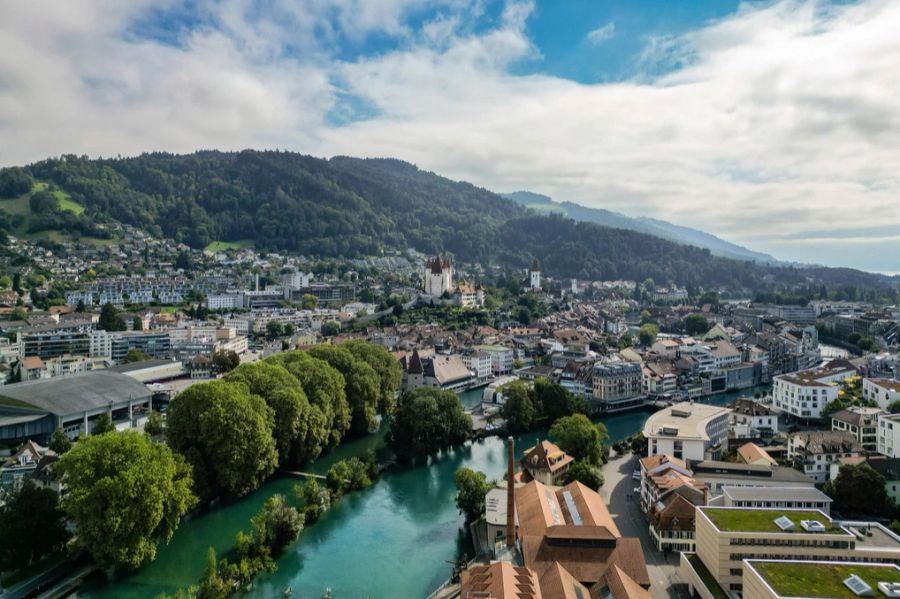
685,420
729,519
775,494
75,393
142,365
817,579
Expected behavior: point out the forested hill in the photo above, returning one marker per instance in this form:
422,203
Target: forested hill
350,207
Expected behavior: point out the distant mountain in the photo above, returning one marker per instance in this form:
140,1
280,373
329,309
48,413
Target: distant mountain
650,226
350,207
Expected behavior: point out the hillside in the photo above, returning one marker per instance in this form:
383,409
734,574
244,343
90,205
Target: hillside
650,226
350,207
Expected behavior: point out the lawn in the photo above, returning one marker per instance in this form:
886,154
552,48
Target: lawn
756,520
798,579
221,246
65,202
707,577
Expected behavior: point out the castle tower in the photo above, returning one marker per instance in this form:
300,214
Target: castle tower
438,276
535,275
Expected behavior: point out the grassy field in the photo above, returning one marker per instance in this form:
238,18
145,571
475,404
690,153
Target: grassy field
221,246
795,579
65,202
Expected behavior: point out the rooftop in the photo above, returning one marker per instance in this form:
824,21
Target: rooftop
685,420
775,494
821,579
75,393
763,520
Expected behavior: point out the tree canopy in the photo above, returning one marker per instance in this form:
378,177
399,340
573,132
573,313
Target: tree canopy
124,494
32,525
471,488
858,490
427,419
580,438
361,385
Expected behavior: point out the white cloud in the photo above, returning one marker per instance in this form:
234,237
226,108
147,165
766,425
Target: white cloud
601,34
783,118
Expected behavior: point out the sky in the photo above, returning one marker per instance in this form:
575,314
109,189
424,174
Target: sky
772,124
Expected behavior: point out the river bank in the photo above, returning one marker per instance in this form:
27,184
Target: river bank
391,540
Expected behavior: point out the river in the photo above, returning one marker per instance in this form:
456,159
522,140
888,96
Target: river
389,541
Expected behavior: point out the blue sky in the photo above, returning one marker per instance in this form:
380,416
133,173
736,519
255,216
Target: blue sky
772,124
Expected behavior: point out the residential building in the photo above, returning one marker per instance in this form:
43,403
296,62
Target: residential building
728,536
478,362
860,422
546,463
752,419
671,495
803,394
502,358
753,454
815,451
888,441
655,465
616,383
883,391
688,430
791,498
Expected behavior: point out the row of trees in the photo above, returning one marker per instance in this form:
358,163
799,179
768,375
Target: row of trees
531,407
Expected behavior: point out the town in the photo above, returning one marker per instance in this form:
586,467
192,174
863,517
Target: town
763,422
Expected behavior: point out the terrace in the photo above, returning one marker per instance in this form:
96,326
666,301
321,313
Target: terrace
822,579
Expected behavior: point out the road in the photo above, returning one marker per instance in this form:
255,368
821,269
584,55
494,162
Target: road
626,512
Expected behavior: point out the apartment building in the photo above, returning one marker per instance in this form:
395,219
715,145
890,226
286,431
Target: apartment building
617,383
883,391
803,394
687,430
816,451
861,423
502,357
888,440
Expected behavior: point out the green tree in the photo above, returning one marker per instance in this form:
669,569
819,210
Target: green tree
282,392
154,424
60,442
647,334
309,301
427,419
315,497
80,307
625,341
124,494
386,366
225,432
277,524
135,355
330,328
471,488
894,408
31,526
137,324
518,409
580,438
273,329
523,315
858,490
225,361
103,424
646,317
553,401
43,202
14,181
586,473
110,319
212,585
696,324
361,385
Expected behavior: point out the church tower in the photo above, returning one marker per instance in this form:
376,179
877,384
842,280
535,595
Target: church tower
438,276
535,275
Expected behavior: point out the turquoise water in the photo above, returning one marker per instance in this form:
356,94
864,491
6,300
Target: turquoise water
389,541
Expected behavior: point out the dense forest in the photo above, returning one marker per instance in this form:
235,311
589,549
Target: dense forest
349,207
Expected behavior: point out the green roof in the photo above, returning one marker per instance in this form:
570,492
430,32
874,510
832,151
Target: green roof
706,576
822,579
759,520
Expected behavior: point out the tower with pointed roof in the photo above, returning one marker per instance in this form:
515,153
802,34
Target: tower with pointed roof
535,275
438,276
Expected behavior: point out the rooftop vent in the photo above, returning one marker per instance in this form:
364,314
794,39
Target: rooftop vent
812,525
891,589
784,523
859,586
681,412
669,430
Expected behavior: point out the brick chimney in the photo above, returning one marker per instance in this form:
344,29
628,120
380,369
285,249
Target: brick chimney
511,495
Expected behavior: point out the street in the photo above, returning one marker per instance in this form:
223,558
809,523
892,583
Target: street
626,513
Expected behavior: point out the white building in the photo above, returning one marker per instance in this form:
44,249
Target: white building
535,275
224,301
816,451
805,393
479,362
883,391
687,430
888,441
501,357
438,276
793,498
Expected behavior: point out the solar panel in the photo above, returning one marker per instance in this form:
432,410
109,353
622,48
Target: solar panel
858,586
553,511
573,509
784,523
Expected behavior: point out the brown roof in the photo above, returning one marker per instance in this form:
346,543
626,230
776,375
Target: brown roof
587,563
751,452
546,456
558,583
652,461
621,585
32,362
677,514
499,580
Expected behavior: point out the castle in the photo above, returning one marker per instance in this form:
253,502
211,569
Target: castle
438,276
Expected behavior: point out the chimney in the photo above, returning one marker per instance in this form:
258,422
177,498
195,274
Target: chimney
511,496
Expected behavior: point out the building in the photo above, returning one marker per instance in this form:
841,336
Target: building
447,372
52,341
718,475
860,422
546,463
617,384
728,536
500,580
502,357
803,394
883,391
33,410
790,498
888,440
815,451
535,278
478,362
437,276
669,494
777,579
752,419
751,453
688,430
